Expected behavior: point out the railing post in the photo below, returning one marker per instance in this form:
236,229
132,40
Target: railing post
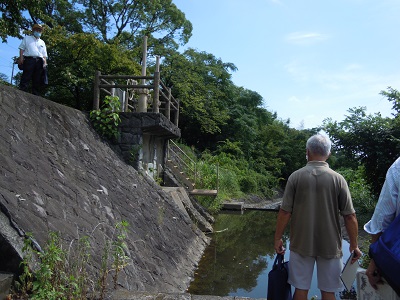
112,90
156,94
177,113
142,102
168,105
96,92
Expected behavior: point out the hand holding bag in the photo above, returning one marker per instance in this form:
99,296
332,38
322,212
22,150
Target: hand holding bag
278,287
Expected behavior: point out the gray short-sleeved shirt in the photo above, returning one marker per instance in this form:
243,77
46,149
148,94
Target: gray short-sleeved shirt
315,195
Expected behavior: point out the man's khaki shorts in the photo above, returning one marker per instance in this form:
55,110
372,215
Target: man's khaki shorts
328,272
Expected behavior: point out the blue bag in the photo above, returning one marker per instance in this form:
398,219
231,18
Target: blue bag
386,254
278,287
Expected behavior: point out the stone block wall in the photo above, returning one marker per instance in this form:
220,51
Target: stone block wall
57,174
143,140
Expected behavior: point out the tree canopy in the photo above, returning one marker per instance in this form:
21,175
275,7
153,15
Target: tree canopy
369,139
225,122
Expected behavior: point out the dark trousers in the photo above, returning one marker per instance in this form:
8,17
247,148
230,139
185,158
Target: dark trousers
33,68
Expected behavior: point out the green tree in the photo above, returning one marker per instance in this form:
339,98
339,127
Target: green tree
371,140
203,84
20,15
393,96
246,119
74,58
3,78
126,20
293,149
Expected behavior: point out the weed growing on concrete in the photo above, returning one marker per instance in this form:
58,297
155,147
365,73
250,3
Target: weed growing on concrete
104,270
134,153
24,284
106,119
160,215
62,273
120,260
114,258
51,277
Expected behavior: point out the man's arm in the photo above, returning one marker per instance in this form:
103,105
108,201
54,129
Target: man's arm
350,221
372,272
281,223
21,57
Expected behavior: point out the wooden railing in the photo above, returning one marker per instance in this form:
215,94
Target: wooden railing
137,96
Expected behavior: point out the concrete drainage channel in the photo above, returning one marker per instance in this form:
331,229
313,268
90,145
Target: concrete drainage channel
6,280
364,291
125,295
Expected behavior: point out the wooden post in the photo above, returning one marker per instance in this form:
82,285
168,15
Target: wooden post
112,90
142,103
177,113
168,105
96,91
156,94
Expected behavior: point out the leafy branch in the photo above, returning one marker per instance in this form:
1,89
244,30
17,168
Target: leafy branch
106,119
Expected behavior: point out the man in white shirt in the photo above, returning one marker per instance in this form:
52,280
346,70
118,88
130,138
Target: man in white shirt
33,59
387,208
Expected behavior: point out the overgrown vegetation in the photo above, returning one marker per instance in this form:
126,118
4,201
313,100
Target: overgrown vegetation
63,273
106,119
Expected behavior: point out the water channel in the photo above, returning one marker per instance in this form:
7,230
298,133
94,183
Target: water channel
241,254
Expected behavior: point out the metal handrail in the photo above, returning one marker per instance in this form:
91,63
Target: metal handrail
179,159
178,153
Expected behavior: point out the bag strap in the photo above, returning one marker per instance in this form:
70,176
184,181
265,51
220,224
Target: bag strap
279,261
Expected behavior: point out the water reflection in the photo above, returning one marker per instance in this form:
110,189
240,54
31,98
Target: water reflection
240,256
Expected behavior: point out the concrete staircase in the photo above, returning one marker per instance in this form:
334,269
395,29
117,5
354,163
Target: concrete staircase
177,162
180,175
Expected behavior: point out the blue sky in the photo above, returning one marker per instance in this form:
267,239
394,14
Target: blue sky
308,59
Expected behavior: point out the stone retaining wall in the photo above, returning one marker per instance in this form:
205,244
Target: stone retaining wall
56,174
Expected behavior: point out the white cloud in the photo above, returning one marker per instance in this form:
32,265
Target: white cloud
302,38
353,67
297,71
294,99
277,2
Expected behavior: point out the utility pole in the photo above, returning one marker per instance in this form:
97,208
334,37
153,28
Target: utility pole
15,61
12,73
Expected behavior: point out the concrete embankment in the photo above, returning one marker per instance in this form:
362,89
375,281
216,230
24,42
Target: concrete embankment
58,175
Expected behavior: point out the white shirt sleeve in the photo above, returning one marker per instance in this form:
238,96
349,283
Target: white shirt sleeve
388,206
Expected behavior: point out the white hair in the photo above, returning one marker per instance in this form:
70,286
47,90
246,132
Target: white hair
319,144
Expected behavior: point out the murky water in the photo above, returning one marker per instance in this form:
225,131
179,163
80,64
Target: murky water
240,256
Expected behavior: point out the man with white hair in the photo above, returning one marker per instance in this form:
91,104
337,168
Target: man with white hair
315,196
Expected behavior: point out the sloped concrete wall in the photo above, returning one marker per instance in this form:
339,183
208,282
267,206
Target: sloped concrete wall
56,174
